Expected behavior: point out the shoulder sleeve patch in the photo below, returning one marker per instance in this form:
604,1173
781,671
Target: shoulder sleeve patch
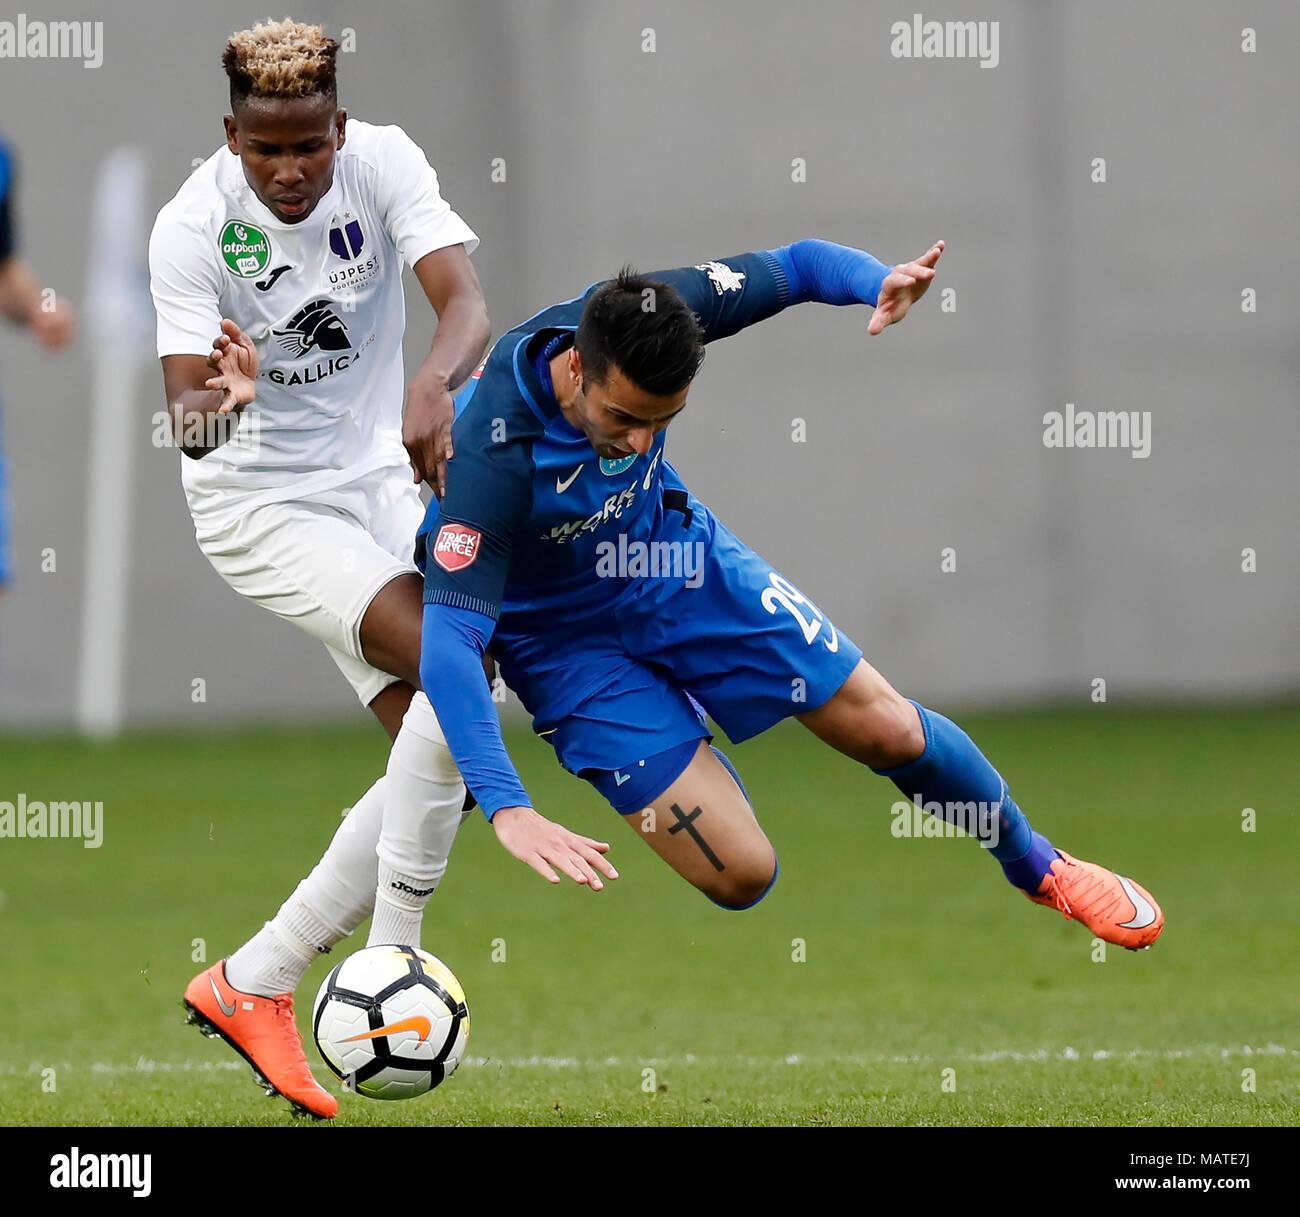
456,546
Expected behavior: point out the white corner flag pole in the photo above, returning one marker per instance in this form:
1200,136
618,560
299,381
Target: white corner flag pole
119,324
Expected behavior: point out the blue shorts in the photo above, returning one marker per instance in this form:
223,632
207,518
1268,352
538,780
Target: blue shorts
610,690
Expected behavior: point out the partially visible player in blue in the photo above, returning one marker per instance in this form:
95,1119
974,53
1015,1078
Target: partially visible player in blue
21,302
617,605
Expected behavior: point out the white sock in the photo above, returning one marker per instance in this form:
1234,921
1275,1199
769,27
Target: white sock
399,908
422,811
324,909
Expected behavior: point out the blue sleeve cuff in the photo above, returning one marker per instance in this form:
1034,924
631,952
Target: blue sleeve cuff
451,670
827,273
785,260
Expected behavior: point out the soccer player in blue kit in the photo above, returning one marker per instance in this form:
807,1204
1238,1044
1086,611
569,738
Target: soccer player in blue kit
23,303
619,607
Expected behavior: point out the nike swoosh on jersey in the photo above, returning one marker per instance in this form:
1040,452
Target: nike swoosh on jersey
562,486
228,1011
1144,914
416,1023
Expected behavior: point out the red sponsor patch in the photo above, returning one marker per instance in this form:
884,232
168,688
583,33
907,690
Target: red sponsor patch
456,546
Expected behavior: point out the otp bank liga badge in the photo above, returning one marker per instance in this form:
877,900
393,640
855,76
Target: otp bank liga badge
245,248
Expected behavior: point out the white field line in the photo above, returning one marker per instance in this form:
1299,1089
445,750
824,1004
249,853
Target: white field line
1206,1052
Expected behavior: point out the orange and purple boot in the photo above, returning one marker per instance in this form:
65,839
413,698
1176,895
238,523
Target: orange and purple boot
1112,907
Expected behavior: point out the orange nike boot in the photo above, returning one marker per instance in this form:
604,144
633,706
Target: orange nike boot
1112,907
264,1032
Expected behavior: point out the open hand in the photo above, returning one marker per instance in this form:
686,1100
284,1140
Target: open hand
543,844
903,287
236,362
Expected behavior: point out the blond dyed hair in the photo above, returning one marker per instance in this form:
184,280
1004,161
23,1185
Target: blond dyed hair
280,59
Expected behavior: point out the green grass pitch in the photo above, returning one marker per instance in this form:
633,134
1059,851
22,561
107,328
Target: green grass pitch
884,980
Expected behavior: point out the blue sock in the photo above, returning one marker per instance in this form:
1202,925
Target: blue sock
953,773
1029,872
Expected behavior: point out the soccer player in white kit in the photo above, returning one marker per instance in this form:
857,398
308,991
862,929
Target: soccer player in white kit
276,275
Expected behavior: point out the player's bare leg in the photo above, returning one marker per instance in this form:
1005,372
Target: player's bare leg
869,720
390,629
935,763
390,641
389,706
705,829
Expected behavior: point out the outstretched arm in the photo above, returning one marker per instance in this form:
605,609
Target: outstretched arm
838,274
734,293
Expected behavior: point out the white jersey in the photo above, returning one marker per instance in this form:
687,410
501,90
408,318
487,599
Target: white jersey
323,301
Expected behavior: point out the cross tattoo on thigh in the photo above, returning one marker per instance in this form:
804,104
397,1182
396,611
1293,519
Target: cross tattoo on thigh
686,822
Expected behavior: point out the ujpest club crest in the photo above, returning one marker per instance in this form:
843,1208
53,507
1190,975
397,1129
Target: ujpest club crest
358,263
346,238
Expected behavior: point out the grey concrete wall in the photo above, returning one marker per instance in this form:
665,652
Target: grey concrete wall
1122,295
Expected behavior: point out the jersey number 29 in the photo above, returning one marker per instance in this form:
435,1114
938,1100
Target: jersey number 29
789,597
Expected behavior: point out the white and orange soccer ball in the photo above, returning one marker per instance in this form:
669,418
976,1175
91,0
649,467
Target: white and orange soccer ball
391,1022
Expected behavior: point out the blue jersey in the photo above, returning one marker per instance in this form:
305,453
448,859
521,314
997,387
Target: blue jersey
6,208
528,549
530,504
6,252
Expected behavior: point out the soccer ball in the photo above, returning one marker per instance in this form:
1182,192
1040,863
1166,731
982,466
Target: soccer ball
391,1022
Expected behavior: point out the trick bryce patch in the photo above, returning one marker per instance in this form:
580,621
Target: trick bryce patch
456,547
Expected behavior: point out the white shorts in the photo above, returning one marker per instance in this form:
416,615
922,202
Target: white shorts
319,562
